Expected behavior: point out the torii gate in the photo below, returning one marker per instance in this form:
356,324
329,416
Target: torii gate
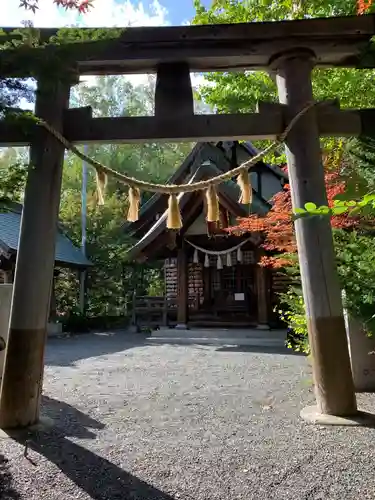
288,49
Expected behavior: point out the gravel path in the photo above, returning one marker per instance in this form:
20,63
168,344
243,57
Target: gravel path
163,422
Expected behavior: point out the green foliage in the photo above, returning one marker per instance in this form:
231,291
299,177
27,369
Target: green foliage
106,248
13,173
239,92
155,282
292,308
78,35
356,270
234,11
293,313
344,204
12,91
114,96
112,279
25,52
79,323
359,170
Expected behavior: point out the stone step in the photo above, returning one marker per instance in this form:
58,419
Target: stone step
210,323
221,333
254,342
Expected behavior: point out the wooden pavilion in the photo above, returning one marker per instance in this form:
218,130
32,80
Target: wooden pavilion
211,278
289,50
67,254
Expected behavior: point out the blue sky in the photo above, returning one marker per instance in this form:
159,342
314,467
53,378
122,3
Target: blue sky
105,13
180,10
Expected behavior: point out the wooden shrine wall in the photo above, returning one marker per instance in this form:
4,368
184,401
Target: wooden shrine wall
195,276
170,278
195,281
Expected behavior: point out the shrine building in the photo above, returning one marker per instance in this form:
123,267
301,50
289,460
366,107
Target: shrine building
211,278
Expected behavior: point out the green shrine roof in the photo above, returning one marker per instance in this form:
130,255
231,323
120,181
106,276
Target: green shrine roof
66,253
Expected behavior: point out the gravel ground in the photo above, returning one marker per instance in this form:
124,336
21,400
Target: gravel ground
164,422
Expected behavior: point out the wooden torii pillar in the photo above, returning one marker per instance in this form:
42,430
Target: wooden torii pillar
24,364
333,380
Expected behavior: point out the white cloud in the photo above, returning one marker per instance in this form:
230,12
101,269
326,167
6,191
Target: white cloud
105,13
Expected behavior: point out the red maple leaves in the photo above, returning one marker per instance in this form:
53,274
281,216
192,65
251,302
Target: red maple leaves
363,6
277,226
82,6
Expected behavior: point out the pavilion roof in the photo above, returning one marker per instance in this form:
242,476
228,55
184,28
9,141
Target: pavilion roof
66,253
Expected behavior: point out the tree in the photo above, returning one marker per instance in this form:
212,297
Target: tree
107,243
239,92
117,96
106,247
277,226
353,239
112,279
356,272
360,167
13,90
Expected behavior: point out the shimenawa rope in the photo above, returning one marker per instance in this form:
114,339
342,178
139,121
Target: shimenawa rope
135,185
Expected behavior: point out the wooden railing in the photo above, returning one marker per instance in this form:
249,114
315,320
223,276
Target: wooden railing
153,311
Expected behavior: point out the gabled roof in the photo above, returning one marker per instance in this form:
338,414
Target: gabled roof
66,253
219,154
229,192
200,153
246,149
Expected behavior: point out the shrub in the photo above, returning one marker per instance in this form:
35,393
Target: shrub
292,312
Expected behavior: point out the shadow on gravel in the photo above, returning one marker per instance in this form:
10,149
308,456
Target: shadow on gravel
99,478
260,350
66,351
95,475
74,422
7,492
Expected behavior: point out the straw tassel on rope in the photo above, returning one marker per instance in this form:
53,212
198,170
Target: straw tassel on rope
134,201
174,217
243,181
103,170
101,184
206,260
213,212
